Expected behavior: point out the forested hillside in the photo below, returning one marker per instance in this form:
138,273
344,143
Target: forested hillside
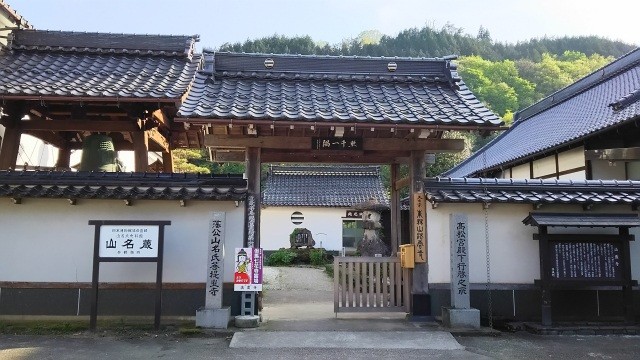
506,77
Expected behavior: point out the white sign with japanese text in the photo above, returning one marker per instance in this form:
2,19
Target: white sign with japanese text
129,241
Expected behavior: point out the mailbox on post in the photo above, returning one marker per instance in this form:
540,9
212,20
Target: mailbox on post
407,259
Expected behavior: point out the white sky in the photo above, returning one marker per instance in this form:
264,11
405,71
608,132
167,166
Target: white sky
333,20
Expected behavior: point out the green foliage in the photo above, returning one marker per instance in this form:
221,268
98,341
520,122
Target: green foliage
318,257
328,268
197,161
282,257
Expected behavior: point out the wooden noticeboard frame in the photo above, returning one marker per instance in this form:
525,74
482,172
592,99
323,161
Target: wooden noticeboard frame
575,261
97,259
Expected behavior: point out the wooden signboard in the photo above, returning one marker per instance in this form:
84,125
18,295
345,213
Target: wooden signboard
420,227
336,143
586,261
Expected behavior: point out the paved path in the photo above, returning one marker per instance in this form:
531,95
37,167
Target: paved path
297,293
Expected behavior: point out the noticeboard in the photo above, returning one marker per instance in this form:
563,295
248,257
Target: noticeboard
586,260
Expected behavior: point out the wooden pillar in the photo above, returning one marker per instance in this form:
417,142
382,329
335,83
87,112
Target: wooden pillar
10,143
64,158
167,161
627,289
545,275
395,210
253,161
141,151
421,304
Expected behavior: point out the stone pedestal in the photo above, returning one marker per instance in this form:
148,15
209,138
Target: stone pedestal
460,318
247,321
213,318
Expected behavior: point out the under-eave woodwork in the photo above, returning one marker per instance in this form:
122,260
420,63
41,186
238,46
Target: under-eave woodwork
304,143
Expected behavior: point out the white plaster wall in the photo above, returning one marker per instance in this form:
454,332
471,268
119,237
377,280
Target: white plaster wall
48,240
571,159
578,175
521,171
514,253
325,225
545,166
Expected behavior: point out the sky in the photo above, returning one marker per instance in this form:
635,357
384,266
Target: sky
218,22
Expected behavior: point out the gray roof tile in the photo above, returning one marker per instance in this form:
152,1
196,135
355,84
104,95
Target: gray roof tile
132,186
324,88
44,63
528,191
602,100
326,186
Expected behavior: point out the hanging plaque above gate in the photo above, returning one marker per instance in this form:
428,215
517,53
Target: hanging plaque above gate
336,143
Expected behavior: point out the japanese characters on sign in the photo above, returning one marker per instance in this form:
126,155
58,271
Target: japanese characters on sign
251,220
419,227
248,269
215,261
353,214
586,260
460,292
336,143
128,241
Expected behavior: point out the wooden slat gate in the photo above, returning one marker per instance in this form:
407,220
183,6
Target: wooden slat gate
369,284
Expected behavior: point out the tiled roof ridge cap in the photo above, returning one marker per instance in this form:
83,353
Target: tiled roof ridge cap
329,169
595,78
8,175
497,182
342,57
21,44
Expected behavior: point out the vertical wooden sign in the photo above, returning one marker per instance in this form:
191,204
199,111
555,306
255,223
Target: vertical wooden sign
420,227
215,273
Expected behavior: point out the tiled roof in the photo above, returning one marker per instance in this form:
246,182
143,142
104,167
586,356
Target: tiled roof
479,190
329,88
582,220
13,15
600,101
327,186
131,186
57,63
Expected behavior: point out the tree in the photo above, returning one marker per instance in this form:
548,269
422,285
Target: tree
196,161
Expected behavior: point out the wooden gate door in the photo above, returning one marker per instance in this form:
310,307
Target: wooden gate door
370,284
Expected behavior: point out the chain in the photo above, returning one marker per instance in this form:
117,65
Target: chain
486,239
488,252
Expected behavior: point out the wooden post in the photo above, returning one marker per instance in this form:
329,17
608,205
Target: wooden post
10,143
395,211
141,150
64,158
545,276
253,177
627,289
419,283
167,161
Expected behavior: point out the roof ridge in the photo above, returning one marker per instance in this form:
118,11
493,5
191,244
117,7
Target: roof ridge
583,84
77,41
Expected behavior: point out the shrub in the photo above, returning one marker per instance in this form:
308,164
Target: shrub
317,257
328,268
282,257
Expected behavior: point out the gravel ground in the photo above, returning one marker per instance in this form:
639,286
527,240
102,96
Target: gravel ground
296,285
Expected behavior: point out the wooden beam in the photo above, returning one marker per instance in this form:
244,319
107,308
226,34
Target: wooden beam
159,139
49,137
80,125
420,273
161,117
304,157
141,150
64,158
254,160
395,211
10,147
167,161
400,183
304,143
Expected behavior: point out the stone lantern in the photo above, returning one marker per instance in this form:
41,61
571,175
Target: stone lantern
371,243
